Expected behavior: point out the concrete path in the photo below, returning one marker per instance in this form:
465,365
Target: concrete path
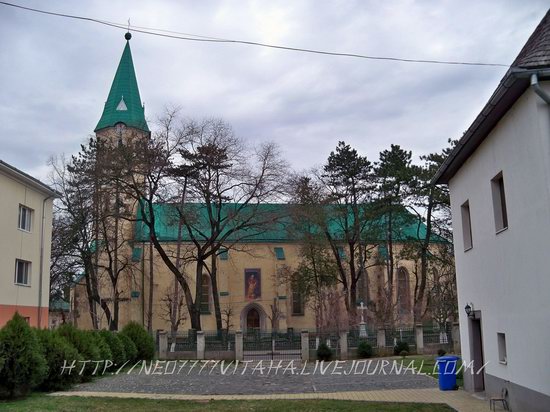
459,400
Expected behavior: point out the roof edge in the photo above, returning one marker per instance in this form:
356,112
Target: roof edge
25,178
509,90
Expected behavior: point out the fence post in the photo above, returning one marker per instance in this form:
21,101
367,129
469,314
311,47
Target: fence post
304,342
200,344
344,345
381,339
239,353
163,344
455,335
419,337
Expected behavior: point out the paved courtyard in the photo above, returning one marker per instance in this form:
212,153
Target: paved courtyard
250,379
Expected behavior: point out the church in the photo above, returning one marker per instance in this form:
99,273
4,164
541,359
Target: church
251,287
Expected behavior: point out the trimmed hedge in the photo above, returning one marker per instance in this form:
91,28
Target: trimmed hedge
57,351
144,342
22,364
129,347
115,344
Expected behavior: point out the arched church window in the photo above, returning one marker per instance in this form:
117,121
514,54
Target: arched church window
297,303
403,291
205,294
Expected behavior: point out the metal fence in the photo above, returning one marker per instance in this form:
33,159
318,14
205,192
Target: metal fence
219,344
435,334
182,341
331,339
271,345
354,338
400,334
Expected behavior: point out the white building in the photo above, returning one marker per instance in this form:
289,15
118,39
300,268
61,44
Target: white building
499,180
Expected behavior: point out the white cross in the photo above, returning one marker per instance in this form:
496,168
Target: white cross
362,308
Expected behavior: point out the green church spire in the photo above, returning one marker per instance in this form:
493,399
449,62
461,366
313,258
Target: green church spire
124,103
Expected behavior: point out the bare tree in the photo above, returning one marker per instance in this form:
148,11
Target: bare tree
227,316
92,209
173,308
226,184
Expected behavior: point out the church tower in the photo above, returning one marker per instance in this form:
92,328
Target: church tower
121,124
124,114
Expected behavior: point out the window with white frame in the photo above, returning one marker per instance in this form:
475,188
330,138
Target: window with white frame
25,218
22,272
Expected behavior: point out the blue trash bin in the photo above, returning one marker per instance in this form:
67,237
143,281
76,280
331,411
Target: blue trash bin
447,367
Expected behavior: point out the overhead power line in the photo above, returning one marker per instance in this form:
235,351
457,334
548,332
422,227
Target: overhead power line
199,38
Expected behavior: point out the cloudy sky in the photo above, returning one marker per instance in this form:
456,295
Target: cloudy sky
55,73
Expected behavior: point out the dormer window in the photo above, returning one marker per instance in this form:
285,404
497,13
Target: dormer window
122,105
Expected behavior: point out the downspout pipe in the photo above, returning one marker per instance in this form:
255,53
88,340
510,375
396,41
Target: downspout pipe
41,268
535,85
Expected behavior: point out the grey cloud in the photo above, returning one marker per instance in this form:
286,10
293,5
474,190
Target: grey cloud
55,74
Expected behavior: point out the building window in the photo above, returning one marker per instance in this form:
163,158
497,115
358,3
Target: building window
280,253
22,272
224,254
501,338
466,226
499,203
205,295
25,218
297,303
136,254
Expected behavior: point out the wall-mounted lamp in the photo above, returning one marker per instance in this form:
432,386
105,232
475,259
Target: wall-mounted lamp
469,309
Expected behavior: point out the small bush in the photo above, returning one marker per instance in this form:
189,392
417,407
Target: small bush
85,344
57,350
441,352
400,347
145,344
323,352
115,344
129,347
22,363
364,350
404,353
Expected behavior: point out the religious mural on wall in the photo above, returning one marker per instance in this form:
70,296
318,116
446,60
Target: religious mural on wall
252,284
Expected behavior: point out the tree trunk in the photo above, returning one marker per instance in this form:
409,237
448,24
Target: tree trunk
113,325
151,287
196,315
424,261
215,294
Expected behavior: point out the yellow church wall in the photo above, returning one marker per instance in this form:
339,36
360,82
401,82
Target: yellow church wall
231,287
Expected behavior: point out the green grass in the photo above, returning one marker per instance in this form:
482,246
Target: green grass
426,364
41,402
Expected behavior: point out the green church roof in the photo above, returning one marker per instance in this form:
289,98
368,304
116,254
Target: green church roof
282,229
124,103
